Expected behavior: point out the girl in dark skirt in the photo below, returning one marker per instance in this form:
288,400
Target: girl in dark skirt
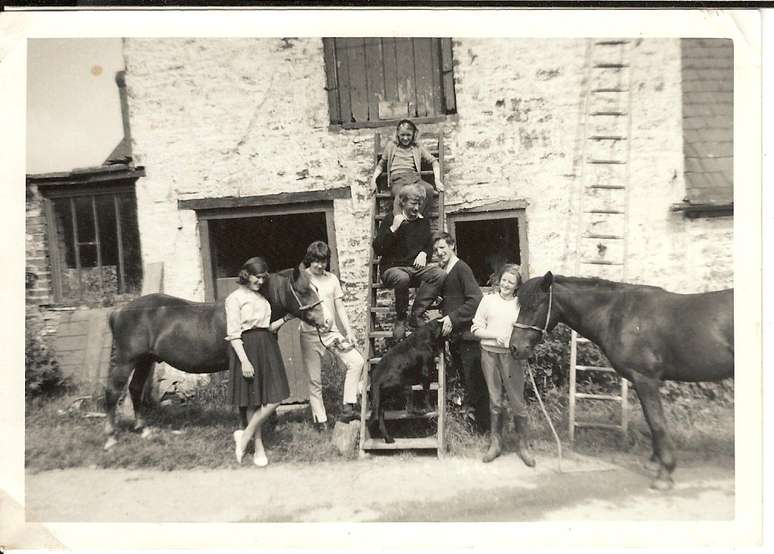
258,379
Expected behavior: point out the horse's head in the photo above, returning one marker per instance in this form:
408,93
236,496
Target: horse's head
304,301
534,321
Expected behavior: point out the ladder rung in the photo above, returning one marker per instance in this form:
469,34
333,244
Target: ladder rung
616,237
382,309
380,334
400,444
395,415
433,386
600,262
588,396
374,360
581,339
602,425
594,368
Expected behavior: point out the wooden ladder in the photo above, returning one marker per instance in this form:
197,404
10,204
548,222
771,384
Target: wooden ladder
381,307
604,199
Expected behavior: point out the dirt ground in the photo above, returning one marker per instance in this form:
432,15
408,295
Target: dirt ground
388,488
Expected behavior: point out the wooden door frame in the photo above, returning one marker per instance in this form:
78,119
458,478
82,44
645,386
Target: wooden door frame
500,210
205,216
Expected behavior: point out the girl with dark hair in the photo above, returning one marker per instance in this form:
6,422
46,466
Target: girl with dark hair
258,379
402,158
504,374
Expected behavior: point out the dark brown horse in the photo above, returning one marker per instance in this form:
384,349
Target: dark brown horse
189,336
648,334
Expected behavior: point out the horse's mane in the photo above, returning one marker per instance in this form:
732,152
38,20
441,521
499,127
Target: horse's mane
597,282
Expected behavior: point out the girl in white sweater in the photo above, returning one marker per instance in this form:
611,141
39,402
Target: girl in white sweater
493,324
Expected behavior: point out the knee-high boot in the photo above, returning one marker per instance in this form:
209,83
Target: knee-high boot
496,437
521,426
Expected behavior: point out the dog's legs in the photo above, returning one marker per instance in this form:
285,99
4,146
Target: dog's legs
382,427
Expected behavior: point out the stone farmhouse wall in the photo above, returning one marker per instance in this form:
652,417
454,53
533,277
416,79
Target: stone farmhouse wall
241,117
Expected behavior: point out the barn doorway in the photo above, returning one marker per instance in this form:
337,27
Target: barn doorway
280,234
486,240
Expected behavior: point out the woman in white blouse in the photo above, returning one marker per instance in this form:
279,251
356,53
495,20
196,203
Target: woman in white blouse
258,378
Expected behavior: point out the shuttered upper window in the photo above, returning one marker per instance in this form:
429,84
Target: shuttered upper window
373,80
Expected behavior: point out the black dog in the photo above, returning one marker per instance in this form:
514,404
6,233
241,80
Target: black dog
407,363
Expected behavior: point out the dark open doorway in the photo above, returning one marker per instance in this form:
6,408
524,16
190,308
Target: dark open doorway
488,240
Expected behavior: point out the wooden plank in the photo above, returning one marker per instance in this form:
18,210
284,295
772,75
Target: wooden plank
374,76
358,91
400,444
437,77
98,328
404,51
423,72
264,200
153,278
207,257
342,68
331,80
390,68
447,73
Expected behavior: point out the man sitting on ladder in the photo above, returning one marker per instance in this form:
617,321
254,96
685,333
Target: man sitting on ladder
404,241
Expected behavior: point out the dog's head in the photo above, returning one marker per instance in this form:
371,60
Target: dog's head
433,331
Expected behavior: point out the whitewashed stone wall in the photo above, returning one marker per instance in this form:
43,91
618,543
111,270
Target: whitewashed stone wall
238,117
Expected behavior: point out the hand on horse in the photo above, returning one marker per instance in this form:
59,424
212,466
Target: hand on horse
248,372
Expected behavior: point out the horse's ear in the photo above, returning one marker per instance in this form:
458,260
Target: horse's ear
298,272
548,280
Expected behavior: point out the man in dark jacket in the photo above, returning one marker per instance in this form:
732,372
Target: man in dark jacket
461,296
405,243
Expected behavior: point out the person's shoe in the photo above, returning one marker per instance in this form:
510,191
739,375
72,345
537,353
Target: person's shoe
239,450
348,414
399,329
260,459
521,427
495,439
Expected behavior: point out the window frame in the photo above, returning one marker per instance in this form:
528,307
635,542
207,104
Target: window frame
445,87
51,193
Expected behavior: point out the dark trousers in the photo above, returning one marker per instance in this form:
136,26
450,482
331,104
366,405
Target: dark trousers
428,280
466,359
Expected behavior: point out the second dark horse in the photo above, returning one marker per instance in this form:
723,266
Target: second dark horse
648,334
189,336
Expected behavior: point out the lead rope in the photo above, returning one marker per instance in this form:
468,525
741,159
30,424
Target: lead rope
545,413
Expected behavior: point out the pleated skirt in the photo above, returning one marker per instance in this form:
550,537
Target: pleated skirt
270,383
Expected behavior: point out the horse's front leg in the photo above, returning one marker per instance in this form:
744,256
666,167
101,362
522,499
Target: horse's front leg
648,391
136,386
118,376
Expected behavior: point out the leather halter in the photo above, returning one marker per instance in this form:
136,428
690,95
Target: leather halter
301,307
544,331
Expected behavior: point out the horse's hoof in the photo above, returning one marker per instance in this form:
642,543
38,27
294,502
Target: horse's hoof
110,443
661,485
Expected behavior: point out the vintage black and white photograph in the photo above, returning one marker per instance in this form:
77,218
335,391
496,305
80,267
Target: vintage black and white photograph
427,276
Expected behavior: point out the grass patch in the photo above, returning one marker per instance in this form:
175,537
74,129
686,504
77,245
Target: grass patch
198,433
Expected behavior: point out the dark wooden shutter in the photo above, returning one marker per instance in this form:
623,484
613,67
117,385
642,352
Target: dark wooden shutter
447,75
331,78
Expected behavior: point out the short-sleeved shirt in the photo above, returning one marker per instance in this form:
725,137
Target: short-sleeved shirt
328,289
245,310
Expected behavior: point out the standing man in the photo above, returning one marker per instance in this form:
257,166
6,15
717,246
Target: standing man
461,297
404,241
